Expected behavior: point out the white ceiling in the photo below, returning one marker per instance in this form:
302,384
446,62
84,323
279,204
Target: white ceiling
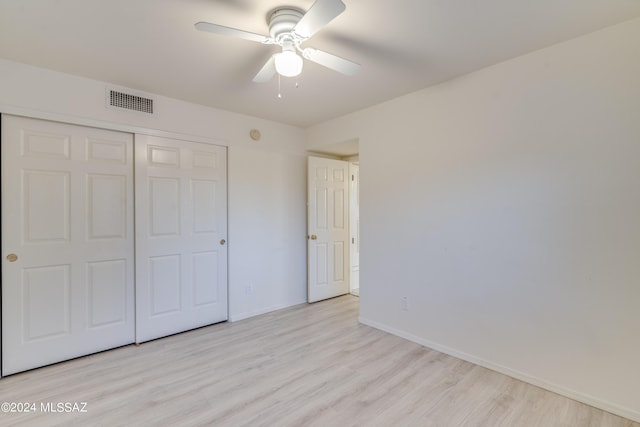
403,46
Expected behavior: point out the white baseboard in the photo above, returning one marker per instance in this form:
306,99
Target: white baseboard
242,316
555,388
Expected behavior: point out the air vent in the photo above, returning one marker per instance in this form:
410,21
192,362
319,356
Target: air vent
130,102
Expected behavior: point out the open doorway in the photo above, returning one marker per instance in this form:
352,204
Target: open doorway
354,228
348,153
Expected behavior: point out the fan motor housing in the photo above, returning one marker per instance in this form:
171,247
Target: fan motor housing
282,21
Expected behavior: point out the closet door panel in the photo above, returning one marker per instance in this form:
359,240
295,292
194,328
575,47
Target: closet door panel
67,242
181,225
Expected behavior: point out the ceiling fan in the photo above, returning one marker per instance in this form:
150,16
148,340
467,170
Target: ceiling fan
289,27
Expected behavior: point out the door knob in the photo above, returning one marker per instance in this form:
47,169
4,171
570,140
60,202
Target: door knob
314,237
222,242
12,257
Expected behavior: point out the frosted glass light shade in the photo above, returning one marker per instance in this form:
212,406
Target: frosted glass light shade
288,64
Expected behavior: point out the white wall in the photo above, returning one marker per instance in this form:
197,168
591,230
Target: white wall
267,214
267,190
506,206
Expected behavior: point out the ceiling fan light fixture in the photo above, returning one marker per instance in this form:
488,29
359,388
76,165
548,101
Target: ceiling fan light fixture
288,63
289,27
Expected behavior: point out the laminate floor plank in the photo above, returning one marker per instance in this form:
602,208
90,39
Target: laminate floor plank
308,365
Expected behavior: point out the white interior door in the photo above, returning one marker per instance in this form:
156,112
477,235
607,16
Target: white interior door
354,227
328,228
181,232
67,242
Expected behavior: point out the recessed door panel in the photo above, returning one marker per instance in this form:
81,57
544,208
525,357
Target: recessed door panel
339,199
46,201
205,160
46,303
107,292
164,284
106,151
107,210
204,206
44,145
163,156
322,263
338,261
164,207
205,276
67,206
321,173
321,208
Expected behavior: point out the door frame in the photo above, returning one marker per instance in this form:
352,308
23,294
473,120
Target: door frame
354,224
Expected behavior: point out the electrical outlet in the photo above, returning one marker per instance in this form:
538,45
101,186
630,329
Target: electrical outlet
404,303
248,290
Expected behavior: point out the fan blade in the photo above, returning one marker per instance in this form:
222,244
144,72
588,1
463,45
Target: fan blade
233,32
320,14
328,60
267,71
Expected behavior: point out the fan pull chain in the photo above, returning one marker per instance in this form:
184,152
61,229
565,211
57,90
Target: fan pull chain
279,90
297,85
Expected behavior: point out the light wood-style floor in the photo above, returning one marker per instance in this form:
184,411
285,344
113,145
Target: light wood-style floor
306,365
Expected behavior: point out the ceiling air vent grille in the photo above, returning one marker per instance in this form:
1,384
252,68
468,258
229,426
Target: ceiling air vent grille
130,102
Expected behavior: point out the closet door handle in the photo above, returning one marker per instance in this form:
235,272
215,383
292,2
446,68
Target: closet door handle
12,257
222,242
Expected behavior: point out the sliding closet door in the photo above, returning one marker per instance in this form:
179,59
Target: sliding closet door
181,231
67,242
